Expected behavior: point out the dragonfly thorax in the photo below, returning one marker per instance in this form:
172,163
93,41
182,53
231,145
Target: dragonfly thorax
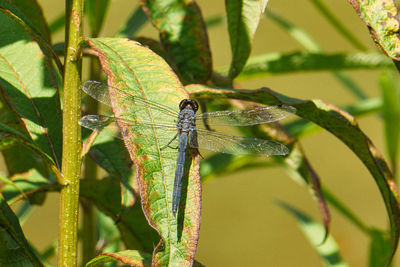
186,119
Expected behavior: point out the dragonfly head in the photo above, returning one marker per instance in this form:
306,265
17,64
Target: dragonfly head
189,102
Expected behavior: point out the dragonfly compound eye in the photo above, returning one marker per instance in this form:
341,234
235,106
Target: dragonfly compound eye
190,102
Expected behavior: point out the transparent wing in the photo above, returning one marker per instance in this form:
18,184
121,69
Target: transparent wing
99,122
112,126
99,91
254,116
201,138
237,145
96,122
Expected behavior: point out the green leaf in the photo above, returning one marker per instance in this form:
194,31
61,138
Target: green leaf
340,124
29,86
10,183
379,248
277,63
31,13
110,154
14,248
137,71
130,257
28,184
14,155
300,169
183,35
95,11
134,23
34,35
10,137
391,115
17,153
243,18
132,224
380,16
108,231
329,250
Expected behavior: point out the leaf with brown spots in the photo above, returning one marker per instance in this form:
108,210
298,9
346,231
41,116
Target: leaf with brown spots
134,70
382,20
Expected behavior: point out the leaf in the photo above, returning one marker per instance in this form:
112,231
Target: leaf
110,154
10,137
135,22
44,45
183,35
379,248
10,183
96,11
300,169
108,231
14,248
17,153
381,18
138,71
277,63
28,83
243,18
31,13
340,124
132,224
329,250
391,115
30,184
130,257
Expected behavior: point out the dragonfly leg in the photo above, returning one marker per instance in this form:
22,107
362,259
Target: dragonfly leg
167,145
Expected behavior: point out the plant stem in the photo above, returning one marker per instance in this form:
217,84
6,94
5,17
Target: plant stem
71,160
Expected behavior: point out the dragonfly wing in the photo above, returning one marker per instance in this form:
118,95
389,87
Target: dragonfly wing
254,116
99,91
96,122
237,145
163,132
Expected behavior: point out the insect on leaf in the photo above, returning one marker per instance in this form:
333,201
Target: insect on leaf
134,70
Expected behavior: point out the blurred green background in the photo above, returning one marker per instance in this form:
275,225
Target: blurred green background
241,223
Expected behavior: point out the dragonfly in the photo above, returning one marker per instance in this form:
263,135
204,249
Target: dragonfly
183,127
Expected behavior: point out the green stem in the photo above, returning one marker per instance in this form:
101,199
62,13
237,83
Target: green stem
71,160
